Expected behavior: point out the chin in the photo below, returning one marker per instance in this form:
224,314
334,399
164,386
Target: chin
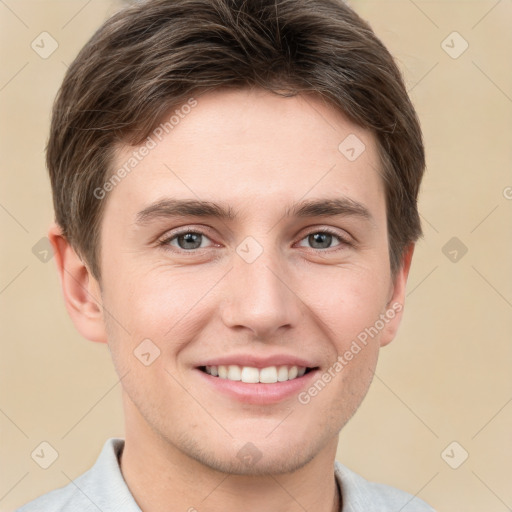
250,459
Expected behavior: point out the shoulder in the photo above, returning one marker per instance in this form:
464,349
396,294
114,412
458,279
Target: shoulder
361,495
102,487
68,498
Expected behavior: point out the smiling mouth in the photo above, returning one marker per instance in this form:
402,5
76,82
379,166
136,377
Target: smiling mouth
251,375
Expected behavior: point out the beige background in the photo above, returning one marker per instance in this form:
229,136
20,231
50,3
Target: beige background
447,376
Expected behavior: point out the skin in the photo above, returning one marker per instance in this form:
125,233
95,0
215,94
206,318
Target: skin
258,153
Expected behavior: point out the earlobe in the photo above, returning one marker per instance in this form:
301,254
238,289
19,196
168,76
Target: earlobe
80,289
395,306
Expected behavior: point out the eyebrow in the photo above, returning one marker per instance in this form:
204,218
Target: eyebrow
329,207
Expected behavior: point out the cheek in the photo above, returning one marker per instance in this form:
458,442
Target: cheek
334,397
354,382
350,310
158,302
346,301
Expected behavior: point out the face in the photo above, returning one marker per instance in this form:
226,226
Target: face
215,258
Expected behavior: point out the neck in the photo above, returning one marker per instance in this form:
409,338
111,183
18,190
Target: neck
163,478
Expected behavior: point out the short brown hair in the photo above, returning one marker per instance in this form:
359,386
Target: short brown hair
152,56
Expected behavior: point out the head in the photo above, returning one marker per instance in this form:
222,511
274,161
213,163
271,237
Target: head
236,180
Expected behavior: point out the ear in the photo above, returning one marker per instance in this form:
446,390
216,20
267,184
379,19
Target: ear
395,306
81,290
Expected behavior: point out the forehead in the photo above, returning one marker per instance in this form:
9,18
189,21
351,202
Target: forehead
253,149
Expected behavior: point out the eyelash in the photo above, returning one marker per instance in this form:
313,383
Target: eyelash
164,243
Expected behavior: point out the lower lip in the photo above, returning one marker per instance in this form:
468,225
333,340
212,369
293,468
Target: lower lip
258,393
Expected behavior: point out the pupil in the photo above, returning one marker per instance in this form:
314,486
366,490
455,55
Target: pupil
324,239
190,241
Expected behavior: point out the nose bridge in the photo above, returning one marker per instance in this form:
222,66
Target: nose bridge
259,295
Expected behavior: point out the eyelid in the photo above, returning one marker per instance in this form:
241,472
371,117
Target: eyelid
344,239
165,239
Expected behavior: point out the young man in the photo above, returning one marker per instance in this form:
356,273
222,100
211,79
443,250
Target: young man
235,187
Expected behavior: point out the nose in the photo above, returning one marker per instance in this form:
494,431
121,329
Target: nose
260,297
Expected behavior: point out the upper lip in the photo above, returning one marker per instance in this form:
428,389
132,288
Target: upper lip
258,361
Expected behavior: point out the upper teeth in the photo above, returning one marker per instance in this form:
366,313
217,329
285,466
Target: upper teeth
251,375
